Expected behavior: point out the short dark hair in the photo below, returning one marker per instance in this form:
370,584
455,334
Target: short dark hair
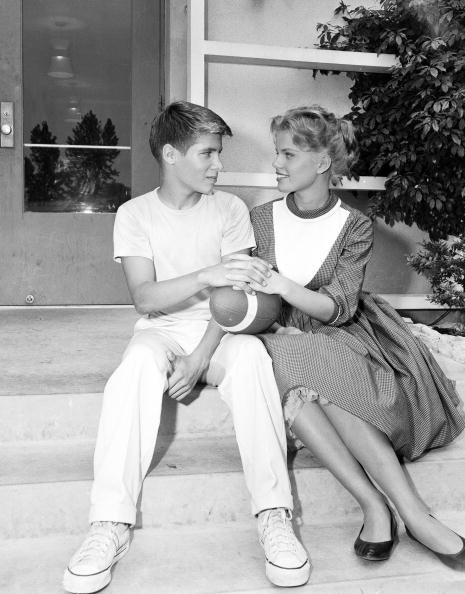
181,123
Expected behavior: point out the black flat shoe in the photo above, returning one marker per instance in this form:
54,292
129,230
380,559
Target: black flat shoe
453,560
377,551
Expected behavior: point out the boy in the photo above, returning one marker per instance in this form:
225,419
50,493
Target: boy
173,244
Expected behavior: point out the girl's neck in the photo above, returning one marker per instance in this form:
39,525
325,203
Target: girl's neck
311,200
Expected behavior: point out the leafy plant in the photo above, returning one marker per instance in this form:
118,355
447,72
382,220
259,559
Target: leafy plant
410,123
444,264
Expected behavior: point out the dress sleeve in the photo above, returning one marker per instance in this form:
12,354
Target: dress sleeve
237,232
346,284
262,223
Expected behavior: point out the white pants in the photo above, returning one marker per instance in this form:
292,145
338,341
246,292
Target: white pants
130,418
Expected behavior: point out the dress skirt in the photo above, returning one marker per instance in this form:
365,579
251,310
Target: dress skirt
373,367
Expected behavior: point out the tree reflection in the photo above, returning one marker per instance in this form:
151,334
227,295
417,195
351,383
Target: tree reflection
80,179
42,171
90,170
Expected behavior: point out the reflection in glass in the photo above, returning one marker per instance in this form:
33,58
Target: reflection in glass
70,180
77,89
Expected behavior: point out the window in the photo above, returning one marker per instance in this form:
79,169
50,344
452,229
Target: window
77,104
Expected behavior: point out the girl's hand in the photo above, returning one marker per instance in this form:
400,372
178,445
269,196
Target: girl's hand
275,284
257,267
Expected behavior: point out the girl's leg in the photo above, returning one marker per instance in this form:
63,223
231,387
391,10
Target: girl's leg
374,451
315,430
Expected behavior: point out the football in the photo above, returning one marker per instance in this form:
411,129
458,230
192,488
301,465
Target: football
239,312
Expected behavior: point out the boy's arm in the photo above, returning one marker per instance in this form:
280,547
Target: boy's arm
150,295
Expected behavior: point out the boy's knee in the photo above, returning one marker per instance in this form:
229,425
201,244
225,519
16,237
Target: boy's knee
146,354
248,347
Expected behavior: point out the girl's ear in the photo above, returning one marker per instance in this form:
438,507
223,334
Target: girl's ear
324,164
169,154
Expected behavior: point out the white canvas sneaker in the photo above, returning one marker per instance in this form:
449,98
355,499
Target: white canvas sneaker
89,569
287,562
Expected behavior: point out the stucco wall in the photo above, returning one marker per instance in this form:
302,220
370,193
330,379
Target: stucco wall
247,96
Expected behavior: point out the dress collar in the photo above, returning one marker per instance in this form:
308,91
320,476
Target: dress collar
314,213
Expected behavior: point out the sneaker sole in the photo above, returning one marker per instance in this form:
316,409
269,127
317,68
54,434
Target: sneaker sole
88,584
288,578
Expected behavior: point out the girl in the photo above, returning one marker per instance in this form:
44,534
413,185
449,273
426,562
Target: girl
358,389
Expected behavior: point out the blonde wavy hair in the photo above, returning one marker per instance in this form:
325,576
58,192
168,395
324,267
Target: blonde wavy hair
315,128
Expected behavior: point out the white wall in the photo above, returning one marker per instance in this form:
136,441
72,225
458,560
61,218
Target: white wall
247,96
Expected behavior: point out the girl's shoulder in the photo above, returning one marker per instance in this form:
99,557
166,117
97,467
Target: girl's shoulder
355,214
264,210
356,217
358,225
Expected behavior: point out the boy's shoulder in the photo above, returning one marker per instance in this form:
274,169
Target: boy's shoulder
224,199
138,204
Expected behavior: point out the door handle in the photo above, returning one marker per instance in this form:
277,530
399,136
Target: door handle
7,136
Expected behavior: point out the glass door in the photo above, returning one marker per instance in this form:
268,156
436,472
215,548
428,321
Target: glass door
85,80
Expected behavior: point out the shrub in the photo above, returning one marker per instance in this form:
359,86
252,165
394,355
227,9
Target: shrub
410,123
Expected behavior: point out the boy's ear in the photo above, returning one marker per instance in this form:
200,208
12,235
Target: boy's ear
169,154
324,164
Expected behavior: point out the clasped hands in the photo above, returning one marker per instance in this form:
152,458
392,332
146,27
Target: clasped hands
183,374
251,274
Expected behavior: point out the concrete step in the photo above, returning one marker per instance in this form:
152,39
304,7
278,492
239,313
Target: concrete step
228,559
55,363
45,487
36,417
61,350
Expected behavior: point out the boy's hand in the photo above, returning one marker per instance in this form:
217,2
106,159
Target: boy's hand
237,270
186,372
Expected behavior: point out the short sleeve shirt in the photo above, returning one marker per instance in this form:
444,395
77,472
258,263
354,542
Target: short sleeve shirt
182,241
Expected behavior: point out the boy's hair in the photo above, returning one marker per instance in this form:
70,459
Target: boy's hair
181,123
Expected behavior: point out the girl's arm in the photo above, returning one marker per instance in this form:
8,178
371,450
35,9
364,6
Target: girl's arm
336,302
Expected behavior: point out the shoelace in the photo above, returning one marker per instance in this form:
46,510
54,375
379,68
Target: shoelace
98,541
278,531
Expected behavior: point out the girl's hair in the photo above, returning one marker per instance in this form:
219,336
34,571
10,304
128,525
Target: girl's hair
316,129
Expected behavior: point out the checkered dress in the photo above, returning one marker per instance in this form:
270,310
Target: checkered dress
365,360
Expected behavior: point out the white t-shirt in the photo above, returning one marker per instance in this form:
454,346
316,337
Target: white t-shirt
182,241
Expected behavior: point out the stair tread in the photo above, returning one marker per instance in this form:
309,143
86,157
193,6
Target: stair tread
200,487
73,349
65,342
67,460
228,559
37,417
